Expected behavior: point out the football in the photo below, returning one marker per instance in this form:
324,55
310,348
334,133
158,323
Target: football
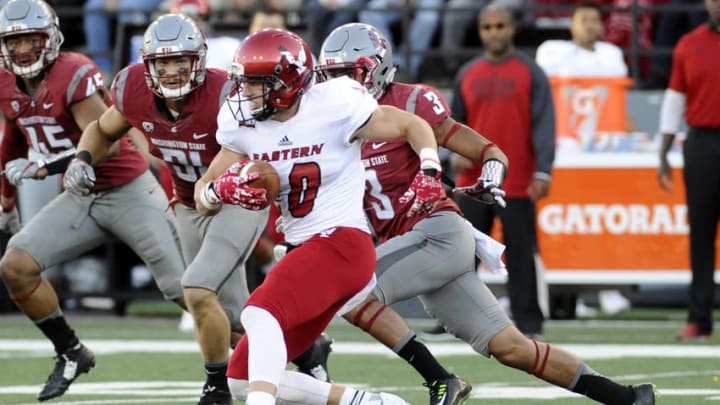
269,179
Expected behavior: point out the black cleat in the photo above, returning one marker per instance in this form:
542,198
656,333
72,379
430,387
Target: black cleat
644,394
316,365
213,395
449,391
68,366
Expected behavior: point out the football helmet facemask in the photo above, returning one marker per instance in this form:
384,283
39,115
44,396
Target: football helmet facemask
171,36
22,17
281,62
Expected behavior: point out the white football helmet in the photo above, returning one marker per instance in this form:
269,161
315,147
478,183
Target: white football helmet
20,17
173,35
361,48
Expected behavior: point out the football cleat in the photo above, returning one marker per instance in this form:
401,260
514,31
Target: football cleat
68,366
449,391
213,395
691,332
316,366
644,394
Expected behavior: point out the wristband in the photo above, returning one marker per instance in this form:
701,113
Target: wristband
84,156
493,171
429,159
209,198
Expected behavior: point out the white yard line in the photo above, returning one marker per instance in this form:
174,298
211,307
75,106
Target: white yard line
584,351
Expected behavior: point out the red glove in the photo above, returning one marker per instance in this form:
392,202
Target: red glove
425,191
233,189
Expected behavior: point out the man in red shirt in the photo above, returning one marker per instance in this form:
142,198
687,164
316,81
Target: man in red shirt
506,96
695,90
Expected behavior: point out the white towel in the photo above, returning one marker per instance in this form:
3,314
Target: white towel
488,250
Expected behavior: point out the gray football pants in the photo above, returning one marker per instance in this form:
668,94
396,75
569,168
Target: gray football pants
136,213
435,261
216,248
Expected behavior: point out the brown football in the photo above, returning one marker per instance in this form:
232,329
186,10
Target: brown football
269,179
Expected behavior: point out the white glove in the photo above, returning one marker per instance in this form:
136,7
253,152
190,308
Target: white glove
19,169
10,221
79,177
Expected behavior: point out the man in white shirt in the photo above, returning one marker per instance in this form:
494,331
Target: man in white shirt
585,56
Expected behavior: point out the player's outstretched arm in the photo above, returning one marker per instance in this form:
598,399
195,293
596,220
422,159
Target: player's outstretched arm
388,122
467,142
99,135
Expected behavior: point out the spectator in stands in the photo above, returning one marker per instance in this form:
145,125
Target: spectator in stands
97,25
621,23
671,25
586,56
695,90
326,15
382,14
506,97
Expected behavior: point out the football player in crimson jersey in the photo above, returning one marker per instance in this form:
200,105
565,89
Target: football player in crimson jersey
431,255
48,98
174,100
311,135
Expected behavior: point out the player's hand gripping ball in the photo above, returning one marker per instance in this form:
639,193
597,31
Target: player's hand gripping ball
251,184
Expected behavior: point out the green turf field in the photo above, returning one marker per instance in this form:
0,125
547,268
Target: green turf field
144,360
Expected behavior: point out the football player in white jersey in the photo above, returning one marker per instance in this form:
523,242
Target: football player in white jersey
311,135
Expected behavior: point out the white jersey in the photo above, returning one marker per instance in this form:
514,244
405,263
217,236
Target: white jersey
322,178
567,59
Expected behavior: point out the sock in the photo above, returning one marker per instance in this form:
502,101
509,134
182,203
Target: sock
351,396
259,398
58,331
215,374
418,356
595,386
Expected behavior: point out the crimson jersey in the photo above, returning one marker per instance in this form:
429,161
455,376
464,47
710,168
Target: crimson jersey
187,143
47,124
391,166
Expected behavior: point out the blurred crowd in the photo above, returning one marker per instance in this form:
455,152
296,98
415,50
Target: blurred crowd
432,37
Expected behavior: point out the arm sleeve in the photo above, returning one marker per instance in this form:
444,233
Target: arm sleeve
672,111
543,121
13,146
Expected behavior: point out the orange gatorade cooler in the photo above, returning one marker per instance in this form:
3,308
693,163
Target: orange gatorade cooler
586,106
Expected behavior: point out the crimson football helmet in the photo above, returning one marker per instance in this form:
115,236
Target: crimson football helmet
358,48
20,17
173,35
281,61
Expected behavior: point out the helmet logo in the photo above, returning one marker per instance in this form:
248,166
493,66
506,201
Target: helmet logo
298,63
